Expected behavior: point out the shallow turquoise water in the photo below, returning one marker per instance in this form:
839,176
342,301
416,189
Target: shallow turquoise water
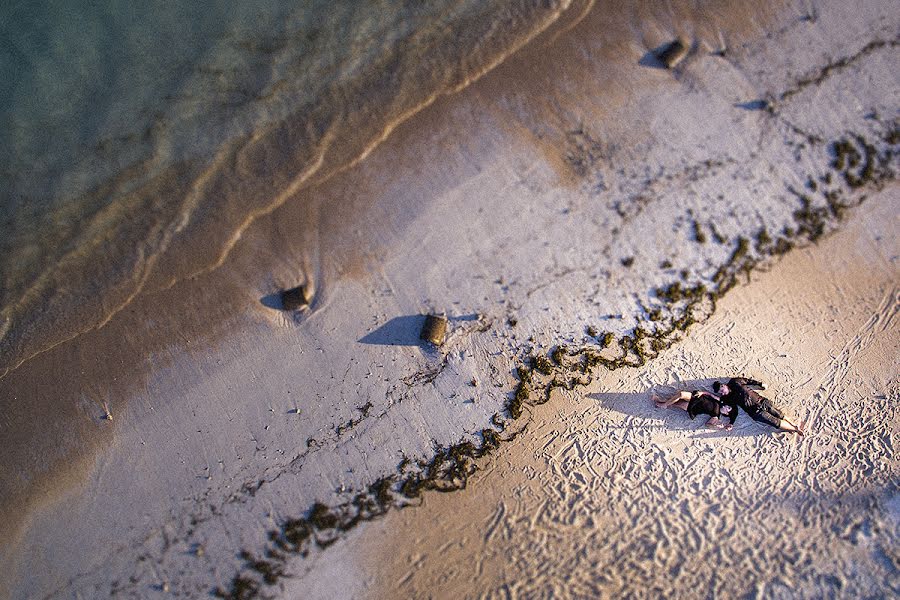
133,136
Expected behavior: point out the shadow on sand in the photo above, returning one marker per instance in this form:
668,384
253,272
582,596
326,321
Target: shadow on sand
641,405
651,59
405,330
272,301
753,105
399,331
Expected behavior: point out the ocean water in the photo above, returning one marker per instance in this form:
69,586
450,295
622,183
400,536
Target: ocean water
137,141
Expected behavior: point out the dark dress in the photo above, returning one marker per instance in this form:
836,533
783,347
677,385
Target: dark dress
704,403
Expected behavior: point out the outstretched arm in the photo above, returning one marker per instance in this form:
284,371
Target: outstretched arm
714,422
750,382
732,413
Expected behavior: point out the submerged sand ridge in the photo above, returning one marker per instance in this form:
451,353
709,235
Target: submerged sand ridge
224,458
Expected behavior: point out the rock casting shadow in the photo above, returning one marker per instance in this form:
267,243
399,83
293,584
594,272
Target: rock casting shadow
665,56
639,404
405,330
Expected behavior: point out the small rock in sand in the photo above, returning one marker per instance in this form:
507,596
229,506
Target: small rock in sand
434,329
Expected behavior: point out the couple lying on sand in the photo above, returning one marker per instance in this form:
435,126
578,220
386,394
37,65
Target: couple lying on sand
725,401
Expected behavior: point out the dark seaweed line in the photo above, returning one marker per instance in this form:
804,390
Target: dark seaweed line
854,160
837,65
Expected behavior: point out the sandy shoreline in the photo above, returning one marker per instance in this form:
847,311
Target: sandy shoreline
605,496
497,205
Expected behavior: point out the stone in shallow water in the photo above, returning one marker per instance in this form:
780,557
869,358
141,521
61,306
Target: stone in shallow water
294,298
672,53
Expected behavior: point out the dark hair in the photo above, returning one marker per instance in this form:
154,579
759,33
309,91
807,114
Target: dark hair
716,385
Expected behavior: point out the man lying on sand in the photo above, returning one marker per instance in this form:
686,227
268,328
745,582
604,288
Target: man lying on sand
728,396
738,392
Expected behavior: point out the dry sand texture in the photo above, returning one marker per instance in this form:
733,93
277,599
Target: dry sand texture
605,496
557,192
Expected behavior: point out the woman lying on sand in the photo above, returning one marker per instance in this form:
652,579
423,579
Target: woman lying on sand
699,402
